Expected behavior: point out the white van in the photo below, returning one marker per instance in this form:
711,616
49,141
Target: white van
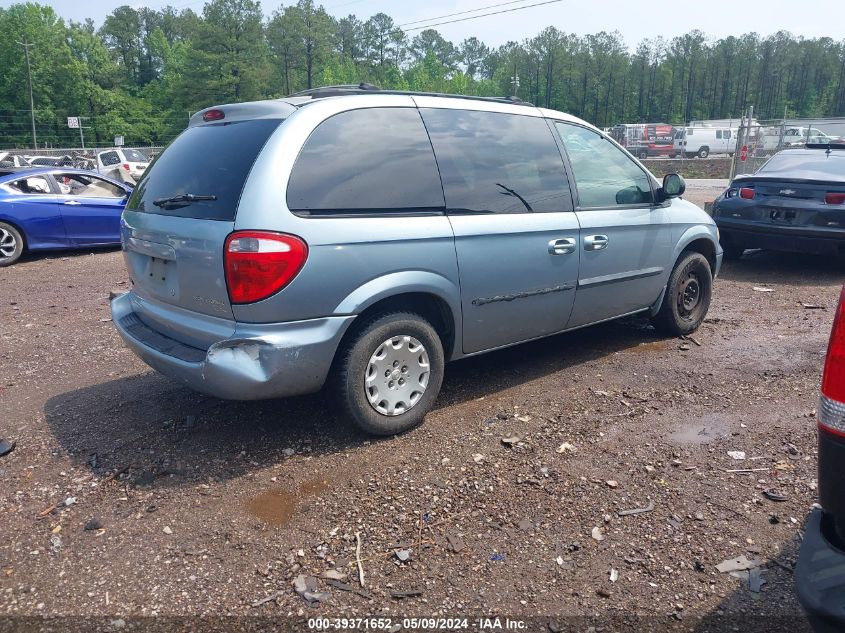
703,141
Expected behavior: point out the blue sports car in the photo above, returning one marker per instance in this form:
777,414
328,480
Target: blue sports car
57,207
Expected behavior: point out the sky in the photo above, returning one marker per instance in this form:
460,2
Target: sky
635,19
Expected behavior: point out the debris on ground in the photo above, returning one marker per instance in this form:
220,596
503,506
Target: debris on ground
6,447
626,513
737,455
614,575
333,574
272,597
456,543
412,593
773,495
762,289
510,441
813,306
93,524
755,580
597,534
478,458
612,483
403,555
566,447
167,529
740,563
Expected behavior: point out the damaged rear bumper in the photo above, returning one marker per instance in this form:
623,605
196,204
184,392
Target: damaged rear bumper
258,361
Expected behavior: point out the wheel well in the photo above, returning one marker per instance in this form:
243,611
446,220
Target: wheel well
429,306
18,229
706,248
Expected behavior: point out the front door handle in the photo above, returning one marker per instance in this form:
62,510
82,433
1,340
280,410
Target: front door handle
595,242
562,246
72,203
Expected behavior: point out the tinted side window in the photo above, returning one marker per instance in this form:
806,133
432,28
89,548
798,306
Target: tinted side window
375,160
492,162
604,175
110,158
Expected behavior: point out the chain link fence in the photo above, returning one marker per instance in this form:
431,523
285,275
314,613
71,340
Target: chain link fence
760,140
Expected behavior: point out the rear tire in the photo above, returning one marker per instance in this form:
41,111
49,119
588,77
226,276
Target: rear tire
643,155
704,152
389,373
687,297
11,244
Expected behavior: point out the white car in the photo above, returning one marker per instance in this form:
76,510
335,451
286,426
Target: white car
803,135
129,162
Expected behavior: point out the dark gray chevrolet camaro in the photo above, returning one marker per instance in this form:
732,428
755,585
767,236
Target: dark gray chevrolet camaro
794,202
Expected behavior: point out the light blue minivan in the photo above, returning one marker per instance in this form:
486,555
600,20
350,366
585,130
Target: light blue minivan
358,239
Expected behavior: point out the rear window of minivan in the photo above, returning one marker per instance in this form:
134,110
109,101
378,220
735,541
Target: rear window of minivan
206,160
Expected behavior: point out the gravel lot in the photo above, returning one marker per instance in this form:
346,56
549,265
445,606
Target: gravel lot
200,506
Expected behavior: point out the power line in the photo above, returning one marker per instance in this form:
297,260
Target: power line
449,15
484,15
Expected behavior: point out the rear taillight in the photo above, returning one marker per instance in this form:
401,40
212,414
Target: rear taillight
834,198
259,263
832,406
746,193
213,115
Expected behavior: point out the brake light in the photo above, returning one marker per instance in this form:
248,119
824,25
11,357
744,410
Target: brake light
213,115
258,263
746,193
832,405
834,198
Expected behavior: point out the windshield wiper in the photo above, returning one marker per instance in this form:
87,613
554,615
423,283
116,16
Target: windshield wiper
182,198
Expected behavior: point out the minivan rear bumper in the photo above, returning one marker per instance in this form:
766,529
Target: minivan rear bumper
258,361
820,576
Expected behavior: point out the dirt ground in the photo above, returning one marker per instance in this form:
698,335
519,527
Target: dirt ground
714,167
196,506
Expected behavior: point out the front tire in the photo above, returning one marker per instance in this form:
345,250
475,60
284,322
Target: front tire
389,373
11,244
687,297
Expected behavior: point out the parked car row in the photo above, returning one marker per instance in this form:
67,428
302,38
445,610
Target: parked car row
123,163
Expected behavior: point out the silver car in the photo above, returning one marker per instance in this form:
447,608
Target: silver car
358,239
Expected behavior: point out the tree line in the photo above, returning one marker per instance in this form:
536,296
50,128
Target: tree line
143,71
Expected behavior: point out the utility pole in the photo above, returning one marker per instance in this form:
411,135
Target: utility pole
26,46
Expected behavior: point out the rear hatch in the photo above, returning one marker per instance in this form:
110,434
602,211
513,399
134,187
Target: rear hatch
173,246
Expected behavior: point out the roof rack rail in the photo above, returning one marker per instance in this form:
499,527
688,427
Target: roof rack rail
365,88
828,145
333,91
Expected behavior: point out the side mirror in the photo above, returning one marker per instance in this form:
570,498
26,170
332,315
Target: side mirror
673,186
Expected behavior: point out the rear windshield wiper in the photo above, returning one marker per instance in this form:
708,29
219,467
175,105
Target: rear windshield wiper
182,198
